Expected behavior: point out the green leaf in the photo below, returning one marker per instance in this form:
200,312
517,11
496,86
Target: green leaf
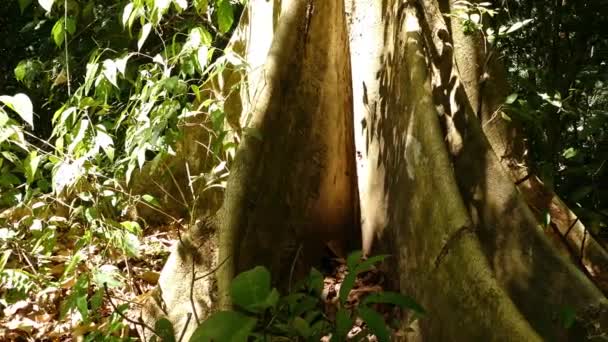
126,14
511,98
131,226
367,264
225,16
58,32
23,4
375,323
182,4
70,25
347,285
109,71
46,4
302,327
251,290
343,325
164,330
31,166
353,260
225,326
22,105
143,35
570,152
150,200
201,6
568,317
108,275
315,281
395,299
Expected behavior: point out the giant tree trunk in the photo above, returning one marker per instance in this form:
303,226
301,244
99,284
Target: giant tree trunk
399,138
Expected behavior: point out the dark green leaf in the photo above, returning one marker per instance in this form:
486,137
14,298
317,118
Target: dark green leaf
58,32
251,289
225,16
394,298
164,329
343,325
302,327
347,285
224,326
375,323
511,98
353,260
23,4
315,281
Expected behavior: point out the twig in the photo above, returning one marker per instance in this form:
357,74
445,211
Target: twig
293,266
181,336
192,295
213,269
140,323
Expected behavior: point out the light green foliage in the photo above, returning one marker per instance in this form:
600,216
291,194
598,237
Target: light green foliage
117,80
263,313
560,98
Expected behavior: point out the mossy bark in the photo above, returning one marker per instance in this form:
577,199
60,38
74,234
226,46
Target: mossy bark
432,191
293,183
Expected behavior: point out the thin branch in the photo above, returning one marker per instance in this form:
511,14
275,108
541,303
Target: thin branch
213,270
293,266
181,336
140,323
192,294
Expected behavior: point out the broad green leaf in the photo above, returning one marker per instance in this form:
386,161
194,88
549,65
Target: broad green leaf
201,6
150,200
202,55
108,275
82,130
70,25
31,166
394,298
90,76
224,326
131,226
143,35
22,105
21,71
46,4
23,4
58,32
511,98
375,323
251,289
516,26
343,325
347,285
569,153
121,63
315,281
131,244
225,16
353,260
367,264
183,4
164,329
109,71
126,14
302,327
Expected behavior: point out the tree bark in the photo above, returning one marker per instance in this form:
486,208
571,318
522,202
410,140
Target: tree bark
398,138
